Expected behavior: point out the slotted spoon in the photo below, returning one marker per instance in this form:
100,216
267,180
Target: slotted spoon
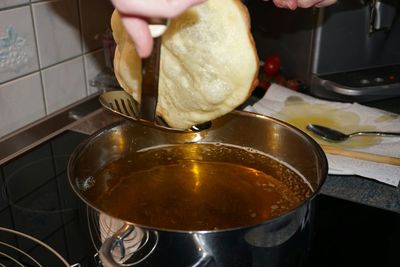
125,105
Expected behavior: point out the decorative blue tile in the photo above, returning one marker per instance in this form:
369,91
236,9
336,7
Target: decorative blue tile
17,44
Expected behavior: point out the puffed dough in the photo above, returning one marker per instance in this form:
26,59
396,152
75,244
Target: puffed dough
209,64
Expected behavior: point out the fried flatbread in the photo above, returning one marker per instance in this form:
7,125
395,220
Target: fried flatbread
208,66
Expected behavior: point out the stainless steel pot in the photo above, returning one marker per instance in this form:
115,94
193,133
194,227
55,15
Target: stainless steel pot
282,241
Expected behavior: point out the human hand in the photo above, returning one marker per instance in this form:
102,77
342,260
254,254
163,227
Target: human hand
134,12
293,4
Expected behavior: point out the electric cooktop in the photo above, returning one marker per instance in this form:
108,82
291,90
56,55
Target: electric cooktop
43,223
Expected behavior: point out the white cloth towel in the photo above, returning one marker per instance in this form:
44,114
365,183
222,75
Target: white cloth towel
275,103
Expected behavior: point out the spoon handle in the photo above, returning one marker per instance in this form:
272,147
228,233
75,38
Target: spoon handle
386,134
151,71
361,155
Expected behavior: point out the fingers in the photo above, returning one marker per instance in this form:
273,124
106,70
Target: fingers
326,3
139,32
293,4
308,3
133,12
154,8
316,3
290,4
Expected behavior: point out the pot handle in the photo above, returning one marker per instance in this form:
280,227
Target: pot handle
206,259
113,247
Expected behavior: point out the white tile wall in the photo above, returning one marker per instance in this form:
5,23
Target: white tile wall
61,40
64,84
58,31
17,44
94,64
21,103
11,3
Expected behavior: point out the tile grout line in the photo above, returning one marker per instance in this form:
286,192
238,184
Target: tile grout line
50,66
82,45
41,72
13,7
38,59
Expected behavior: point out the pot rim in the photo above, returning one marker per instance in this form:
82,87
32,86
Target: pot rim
318,150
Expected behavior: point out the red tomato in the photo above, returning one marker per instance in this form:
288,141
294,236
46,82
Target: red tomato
264,84
272,65
293,84
280,79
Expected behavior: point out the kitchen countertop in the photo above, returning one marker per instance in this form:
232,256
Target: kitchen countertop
363,190
352,188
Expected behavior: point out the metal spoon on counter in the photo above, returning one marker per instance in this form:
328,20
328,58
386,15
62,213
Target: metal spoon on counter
333,135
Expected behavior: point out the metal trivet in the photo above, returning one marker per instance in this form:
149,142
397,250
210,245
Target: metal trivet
36,253
132,248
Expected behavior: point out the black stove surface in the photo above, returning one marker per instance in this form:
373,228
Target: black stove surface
351,234
36,199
